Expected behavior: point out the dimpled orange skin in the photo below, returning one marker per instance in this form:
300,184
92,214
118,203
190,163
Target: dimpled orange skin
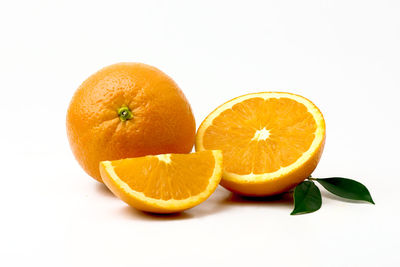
162,120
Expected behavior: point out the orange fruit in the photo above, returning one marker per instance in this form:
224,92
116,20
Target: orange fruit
270,141
164,183
128,110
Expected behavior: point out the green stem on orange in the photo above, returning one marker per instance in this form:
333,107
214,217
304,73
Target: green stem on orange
125,113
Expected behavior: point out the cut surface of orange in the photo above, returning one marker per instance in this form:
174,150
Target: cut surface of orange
164,183
270,141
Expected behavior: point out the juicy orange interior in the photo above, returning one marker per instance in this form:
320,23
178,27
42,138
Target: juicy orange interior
261,135
175,176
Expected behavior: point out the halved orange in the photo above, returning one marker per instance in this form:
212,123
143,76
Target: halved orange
164,183
271,141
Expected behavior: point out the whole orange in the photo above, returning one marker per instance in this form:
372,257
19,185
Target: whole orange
128,110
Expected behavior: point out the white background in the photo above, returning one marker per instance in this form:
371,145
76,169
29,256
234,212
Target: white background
343,55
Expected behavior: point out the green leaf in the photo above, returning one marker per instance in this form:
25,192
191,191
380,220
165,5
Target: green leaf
307,198
346,188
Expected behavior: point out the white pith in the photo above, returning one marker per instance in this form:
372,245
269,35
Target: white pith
165,158
262,134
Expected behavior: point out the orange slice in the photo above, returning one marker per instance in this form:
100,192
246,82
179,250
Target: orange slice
270,141
164,183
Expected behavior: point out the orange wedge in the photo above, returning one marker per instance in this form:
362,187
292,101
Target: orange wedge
270,141
164,183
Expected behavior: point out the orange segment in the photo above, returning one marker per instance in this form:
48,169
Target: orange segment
164,183
270,141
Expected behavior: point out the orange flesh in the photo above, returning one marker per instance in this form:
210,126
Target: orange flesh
259,136
185,175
